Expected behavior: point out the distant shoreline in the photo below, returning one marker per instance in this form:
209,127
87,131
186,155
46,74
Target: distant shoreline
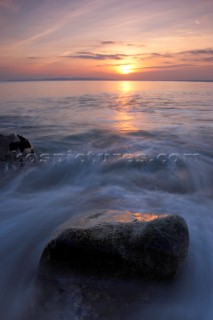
98,79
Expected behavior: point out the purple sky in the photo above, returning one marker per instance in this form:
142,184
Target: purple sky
118,39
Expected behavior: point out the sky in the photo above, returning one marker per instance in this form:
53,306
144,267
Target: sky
106,39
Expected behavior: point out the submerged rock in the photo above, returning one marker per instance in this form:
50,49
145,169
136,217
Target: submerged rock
117,243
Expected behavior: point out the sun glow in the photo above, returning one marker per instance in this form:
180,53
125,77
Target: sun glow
125,69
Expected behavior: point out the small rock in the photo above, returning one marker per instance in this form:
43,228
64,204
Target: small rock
11,145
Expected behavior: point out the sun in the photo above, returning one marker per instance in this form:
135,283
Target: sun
125,69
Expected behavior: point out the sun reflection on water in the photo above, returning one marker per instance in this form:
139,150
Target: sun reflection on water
125,120
126,86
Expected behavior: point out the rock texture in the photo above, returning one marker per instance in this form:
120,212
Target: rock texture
118,243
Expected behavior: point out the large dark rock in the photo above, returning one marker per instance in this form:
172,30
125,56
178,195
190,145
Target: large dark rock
120,244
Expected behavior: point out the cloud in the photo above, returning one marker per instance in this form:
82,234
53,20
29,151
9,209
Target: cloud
37,36
121,43
169,66
82,52
172,66
96,56
198,55
135,45
192,56
160,55
108,42
33,58
209,59
198,52
111,65
154,55
199,59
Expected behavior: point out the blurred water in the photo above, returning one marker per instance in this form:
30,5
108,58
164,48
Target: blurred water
99,120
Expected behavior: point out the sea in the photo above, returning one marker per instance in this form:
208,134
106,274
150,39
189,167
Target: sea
141,146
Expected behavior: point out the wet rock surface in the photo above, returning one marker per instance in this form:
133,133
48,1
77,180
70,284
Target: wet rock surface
120,244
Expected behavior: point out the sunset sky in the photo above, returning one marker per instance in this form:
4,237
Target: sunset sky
107,39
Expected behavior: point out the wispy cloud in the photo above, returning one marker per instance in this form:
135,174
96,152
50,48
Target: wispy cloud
104,65
189,55
62,20
34,58
108,42
172,66
154,55
210,59
197,52
35,37
136,45
155,60
96,56
121,43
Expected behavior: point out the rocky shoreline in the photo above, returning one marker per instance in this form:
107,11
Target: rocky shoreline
110,242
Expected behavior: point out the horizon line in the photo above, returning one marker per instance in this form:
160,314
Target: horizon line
102,79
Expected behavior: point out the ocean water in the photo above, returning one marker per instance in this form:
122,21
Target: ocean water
139,146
